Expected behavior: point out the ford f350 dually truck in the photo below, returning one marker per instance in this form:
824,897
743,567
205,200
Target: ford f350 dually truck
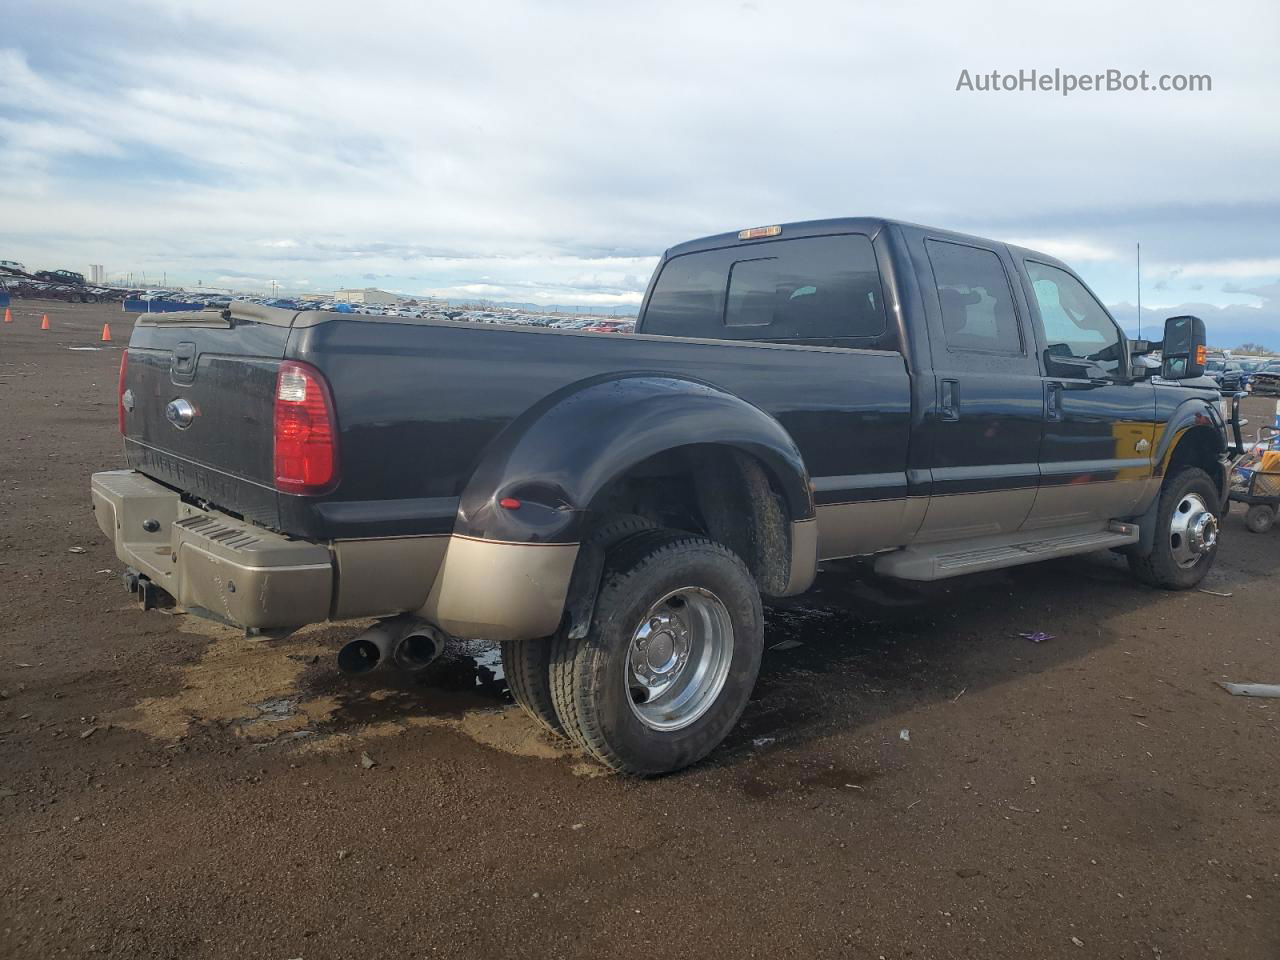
613,508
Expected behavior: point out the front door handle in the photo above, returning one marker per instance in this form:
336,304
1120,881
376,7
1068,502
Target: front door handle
949,399
1053,402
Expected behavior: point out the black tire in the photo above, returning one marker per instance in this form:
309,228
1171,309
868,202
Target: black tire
1161,567
1260,518
590,683
527,663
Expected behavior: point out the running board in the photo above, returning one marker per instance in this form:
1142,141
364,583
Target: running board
941,560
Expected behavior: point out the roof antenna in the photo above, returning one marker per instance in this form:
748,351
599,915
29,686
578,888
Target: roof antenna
1139,245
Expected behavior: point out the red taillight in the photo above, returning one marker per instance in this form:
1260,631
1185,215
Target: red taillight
124,369
306,452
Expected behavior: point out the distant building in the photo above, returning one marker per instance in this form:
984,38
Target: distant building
369,296
97,276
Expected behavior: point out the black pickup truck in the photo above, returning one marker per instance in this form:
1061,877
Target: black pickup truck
613,508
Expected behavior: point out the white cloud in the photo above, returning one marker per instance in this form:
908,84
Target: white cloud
560,147
1233,269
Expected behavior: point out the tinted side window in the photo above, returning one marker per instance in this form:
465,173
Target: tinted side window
688,299
1075,326
977,303
810,288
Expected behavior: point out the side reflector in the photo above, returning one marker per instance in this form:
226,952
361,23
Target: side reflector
1201,355
509,503
306,445
755,233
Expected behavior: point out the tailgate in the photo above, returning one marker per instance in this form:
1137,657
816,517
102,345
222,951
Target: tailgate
199,403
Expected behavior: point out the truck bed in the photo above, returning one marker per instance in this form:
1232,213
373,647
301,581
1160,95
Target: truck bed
418,402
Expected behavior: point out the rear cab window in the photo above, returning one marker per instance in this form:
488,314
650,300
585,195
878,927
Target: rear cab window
823,290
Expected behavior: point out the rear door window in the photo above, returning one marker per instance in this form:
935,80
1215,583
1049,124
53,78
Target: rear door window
978,312
810,288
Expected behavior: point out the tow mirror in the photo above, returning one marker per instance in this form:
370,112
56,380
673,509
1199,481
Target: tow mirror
1184,352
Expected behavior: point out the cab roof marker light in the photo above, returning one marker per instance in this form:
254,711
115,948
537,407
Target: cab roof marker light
755,233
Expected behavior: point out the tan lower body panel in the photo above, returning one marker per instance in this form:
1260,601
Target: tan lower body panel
1063,504
804,557
859,529
387,575
960,516
501,591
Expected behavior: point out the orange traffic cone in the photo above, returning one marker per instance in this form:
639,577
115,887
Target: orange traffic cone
44,322
106,333
8,317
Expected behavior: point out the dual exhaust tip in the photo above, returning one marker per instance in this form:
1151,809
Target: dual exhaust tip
407,642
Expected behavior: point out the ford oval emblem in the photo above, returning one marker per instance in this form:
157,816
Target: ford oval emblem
180,413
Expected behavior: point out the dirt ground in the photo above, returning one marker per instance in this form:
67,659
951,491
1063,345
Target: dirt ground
913,780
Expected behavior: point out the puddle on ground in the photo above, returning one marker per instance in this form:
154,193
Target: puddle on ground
289,692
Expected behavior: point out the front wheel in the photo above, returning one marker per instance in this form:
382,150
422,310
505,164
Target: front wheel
1186,539
671,658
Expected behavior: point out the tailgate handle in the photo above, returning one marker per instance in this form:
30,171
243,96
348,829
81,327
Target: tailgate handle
184,358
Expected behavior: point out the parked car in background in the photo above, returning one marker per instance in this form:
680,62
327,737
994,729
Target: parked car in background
13,265
62,276
1244,381
1266,379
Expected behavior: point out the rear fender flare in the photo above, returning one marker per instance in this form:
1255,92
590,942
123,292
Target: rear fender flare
556,457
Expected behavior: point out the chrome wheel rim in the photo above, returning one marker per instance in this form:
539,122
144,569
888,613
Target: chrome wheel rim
1193,531
678,658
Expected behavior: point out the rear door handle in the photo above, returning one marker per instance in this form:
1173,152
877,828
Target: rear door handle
949,399
1053,402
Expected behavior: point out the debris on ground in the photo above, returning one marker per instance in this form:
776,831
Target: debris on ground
1038,637
904,735
367,761
967,873
77,550
1077,941
1251,689
1215,593
763,741
86,734
787,645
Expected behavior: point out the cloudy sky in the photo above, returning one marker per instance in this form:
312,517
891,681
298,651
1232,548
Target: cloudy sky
547,151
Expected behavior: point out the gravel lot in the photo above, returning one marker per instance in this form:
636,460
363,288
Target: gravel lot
913,780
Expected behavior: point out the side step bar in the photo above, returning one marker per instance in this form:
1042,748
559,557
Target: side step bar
939,561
